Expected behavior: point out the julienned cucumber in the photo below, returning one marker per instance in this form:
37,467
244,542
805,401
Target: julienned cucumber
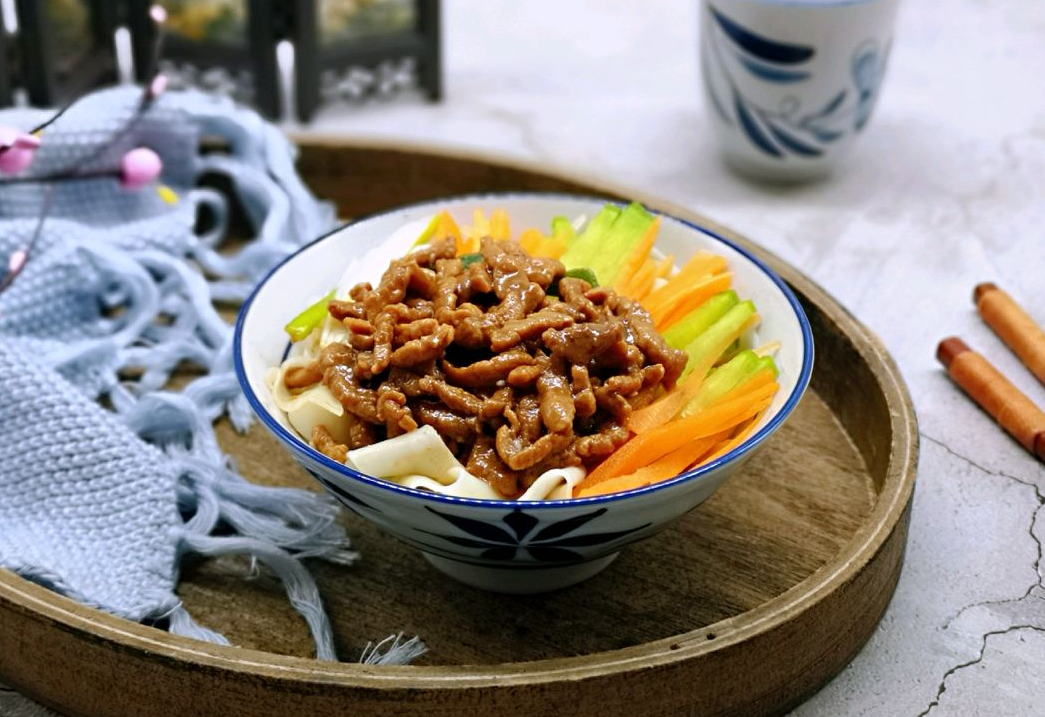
563,229
723,379
706,348
303,324
697,321
607,241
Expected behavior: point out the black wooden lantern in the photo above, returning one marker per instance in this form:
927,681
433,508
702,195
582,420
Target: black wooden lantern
344,49
227,46
65,48
350,49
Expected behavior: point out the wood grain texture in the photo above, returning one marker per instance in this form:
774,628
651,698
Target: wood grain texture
744,607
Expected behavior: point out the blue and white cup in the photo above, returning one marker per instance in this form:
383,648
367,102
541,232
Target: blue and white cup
790,84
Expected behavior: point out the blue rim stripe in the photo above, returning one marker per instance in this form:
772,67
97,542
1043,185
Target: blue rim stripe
763,433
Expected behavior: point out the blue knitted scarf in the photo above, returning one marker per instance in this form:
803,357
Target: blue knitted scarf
101,503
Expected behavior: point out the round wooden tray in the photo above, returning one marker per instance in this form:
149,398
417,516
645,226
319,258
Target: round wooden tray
745,607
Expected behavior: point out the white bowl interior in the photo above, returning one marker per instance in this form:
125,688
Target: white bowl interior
308,275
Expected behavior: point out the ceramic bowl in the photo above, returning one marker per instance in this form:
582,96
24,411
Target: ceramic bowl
511,546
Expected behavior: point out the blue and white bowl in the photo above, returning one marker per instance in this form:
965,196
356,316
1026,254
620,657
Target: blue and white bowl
510,546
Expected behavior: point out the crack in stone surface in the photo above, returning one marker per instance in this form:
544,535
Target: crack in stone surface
976,660
1027,595
1021,481
987,603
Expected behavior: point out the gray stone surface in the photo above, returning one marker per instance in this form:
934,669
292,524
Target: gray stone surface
944,190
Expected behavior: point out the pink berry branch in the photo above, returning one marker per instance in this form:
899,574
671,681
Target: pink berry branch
137,168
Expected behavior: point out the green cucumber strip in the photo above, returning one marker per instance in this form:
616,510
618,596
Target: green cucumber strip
708,347
697,321
428,232
767,362
587,243
606,255
304,323
724,379
562,228
732,350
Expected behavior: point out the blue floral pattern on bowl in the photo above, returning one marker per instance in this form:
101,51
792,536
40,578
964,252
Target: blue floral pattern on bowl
550,544
785,131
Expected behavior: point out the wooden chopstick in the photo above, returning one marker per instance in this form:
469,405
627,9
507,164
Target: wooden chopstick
995,394
1013,325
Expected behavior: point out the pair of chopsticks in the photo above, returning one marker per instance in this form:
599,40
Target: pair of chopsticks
995,394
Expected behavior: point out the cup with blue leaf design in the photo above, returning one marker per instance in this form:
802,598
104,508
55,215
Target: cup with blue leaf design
791,84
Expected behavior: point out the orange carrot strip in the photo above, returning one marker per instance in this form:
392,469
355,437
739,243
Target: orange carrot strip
446,228
551,247
631,287
499,229
661,469
481,225
645,448
729,444
645,286
531,241
638,256
668,406
700,265
697,295
664,267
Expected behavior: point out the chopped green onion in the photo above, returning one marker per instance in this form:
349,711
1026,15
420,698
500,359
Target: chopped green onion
468,259
584,273
304,323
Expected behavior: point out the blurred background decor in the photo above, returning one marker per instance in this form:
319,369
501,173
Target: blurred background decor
54,50
336,50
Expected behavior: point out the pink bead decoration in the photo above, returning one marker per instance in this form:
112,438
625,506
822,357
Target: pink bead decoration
139,167
16,261
16,149
158,85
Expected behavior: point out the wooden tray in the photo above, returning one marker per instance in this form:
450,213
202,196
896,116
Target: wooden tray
745,607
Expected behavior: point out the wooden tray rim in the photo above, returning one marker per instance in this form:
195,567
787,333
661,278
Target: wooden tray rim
893,501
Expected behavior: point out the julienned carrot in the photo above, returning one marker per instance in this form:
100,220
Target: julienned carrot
700,265
668,406
446,228
480,224
530,240
643,276
645,448
697,295
664,300
729,444
1013,325
499,228
664,267
661,469
644,284
638,256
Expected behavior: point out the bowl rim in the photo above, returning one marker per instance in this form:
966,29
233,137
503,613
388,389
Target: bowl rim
295,442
